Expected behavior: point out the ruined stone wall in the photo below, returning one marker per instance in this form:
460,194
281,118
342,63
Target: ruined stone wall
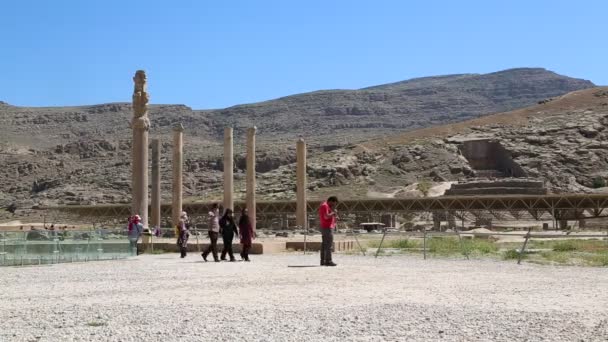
490,155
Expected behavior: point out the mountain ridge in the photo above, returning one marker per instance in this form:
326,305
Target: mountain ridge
81,154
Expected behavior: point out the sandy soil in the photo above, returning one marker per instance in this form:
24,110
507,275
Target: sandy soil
162,298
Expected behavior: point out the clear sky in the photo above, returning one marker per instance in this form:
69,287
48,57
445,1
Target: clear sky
213,54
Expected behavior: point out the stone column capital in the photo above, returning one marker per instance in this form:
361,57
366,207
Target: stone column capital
142,123
178,128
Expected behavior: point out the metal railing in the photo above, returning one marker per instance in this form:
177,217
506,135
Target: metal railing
527,235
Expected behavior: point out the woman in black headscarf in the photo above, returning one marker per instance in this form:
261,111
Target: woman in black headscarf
228,230
247,234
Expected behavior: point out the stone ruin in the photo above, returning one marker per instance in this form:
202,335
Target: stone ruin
495,172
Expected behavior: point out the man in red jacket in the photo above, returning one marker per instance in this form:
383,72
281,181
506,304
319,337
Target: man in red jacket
327,219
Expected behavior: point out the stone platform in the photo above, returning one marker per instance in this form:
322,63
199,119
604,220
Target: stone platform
266,247
506,186
339,246
261,247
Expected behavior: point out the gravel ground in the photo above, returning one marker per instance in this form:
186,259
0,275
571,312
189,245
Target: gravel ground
398,298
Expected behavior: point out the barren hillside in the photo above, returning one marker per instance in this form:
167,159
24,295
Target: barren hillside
81,155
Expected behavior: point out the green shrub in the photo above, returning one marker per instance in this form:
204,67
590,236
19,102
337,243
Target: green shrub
511,254
599,259
403,244
565,246
599,182
442,245
424,186
556,257
480,246
467,246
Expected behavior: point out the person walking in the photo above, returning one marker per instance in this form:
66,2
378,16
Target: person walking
228,230
214,230
135,230
327,218
246,233
183,234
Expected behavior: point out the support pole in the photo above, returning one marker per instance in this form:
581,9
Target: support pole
523,248
178,145
381,241
250,197
424,244
352,231
464,251
228,169
155,217
305,235
301,219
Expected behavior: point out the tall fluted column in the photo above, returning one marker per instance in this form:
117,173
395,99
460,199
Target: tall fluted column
228,169
178,145
140,125
250,197
155,215
301,184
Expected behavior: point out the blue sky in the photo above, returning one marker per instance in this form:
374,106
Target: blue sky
213,54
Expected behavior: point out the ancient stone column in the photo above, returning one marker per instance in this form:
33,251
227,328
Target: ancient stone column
250,197
301,184
228,169
178,145
155,215
140,125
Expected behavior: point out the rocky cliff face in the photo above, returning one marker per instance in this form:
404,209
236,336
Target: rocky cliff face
81,155
342,117
563,142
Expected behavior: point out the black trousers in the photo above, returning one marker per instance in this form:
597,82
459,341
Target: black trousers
227,239
327,242
212,248
183,251
245,248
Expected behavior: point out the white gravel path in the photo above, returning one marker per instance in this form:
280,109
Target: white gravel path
398,298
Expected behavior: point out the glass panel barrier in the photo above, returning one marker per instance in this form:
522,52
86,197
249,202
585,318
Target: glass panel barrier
40,247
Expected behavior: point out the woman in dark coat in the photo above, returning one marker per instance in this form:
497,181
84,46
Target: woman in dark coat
247,234
228,230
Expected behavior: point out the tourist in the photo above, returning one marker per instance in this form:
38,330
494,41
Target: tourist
135,230
228,230
214,231
183,234
53,232
327,218
246,235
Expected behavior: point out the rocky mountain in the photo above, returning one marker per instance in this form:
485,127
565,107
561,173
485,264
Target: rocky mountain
342,117
72,155
562,141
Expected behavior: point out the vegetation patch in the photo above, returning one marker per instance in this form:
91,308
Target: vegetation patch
565,246
567,252
400,244
446,246
512,254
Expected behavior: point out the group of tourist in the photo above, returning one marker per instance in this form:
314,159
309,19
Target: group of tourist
227,227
